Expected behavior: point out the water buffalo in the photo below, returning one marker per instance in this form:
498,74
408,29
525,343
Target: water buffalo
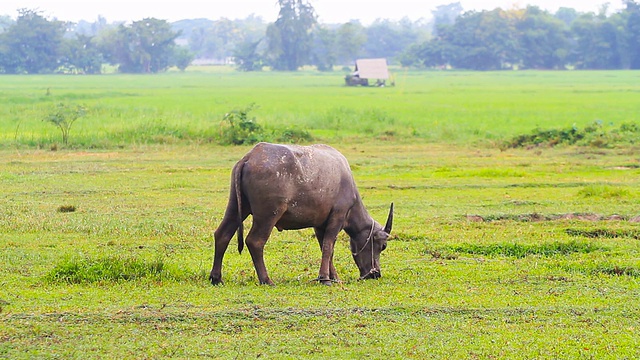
294,187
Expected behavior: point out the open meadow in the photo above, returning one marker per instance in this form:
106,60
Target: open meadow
504,246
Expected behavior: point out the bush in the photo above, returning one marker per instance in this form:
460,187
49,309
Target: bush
63,117
239,129
595,135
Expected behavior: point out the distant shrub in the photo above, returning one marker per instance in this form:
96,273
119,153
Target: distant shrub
294,136
594,135
238,128
63,117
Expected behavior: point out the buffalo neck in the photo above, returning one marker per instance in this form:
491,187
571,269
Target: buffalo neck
358,220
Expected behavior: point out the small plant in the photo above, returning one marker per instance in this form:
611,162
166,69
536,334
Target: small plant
594,135
64,116
238,128
290,135
66,208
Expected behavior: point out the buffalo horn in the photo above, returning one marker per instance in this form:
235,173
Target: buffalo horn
387,227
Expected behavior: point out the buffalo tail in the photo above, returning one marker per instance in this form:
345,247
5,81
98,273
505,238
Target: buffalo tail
237,179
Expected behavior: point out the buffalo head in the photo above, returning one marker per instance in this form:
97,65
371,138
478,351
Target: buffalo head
367,245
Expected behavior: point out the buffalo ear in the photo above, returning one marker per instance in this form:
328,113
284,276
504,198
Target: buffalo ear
387,227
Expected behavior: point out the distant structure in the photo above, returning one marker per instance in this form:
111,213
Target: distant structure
366,70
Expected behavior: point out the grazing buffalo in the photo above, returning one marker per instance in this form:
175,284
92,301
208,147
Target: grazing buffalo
294,187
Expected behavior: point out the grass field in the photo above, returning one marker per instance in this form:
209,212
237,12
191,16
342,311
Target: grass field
106,243
423,106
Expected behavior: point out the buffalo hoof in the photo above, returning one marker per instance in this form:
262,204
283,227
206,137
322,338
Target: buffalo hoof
215,281
325,281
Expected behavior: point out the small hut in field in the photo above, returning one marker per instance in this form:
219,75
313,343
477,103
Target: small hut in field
368,70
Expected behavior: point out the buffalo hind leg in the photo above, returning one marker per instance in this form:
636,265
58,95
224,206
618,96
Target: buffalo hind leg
222,236
256,240
333,274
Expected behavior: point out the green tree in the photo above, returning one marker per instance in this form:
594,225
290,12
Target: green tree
543,40
219,39
428,54
63,118
182,57
350,39
567,15
445,15
481,41
388,39
145,46
81,55
32,44
5,23
632,30
289,38
246,56
597,43
323,54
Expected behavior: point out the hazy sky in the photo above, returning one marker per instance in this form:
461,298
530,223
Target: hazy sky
329,11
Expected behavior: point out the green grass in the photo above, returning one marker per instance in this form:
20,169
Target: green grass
454,107
112,269
522,250
106,245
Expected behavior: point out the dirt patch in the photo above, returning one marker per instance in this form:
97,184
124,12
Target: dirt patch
99,155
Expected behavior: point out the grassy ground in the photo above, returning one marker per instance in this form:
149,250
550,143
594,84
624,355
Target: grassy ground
496,254
451,107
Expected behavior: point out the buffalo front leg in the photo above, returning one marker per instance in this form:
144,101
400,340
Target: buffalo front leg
256,239
331,231
333,274
222,235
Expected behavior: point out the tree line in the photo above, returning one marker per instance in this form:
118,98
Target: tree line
524,38
531,38
34,44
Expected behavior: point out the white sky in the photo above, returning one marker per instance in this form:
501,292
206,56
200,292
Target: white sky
329,11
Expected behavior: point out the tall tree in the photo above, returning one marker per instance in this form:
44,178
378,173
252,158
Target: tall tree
5,22
246,56
445,15
81,55
543,40
567,15
387,39
632,30
350,38
32,44
323,53
145,46
596,43
290,38
481,41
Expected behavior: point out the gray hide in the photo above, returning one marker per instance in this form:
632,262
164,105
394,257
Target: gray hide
293,187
